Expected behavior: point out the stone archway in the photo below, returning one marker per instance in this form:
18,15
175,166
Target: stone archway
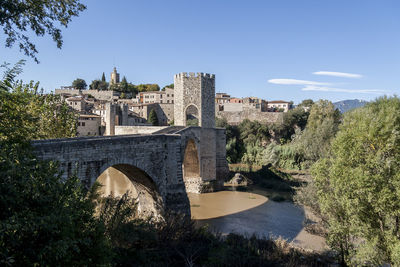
119,179
192,115
191,167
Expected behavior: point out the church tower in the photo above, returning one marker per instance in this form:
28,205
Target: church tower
114,77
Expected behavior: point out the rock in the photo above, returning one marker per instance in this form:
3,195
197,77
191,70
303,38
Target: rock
238,179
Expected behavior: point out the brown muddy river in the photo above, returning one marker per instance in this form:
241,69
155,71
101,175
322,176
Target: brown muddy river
228,211
251,213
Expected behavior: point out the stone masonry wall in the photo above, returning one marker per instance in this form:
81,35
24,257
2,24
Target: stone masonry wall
123,130
210,143
197,90
98,94
234,118
157,156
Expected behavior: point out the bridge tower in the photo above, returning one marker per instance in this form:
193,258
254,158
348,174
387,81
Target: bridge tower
194,99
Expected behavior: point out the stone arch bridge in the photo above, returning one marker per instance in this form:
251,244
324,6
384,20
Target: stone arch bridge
168,163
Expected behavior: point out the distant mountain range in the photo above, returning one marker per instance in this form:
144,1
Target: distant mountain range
347,105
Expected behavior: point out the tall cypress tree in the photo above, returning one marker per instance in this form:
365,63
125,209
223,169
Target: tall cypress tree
103,78
153,119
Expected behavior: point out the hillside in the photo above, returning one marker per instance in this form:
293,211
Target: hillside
347,105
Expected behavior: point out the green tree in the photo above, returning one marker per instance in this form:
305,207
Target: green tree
153,119
98,85
293,119
29,114
168,86
359,185
103,78
123,85
79,84
322,125
41,16
306,103
147,87
44,220
234,145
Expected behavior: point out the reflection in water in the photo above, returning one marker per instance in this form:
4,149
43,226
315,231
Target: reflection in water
218,204
248,213
115,183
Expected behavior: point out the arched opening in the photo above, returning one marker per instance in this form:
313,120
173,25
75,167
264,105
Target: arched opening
192,116
191,166
123,178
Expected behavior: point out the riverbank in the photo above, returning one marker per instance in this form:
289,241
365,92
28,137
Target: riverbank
253,213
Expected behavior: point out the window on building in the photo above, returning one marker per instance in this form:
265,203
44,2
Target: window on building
172,101
167,101
167,95
83,124
161,101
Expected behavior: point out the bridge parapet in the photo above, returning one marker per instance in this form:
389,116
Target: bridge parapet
158,156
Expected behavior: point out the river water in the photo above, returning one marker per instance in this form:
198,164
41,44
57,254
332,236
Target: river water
253,213
229,211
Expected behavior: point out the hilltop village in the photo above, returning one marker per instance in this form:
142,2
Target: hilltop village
154,107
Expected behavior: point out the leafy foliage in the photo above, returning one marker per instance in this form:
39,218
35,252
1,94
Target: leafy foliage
175,241
99,85
41,16
147,87
79,84
293,119
358,185
168,86
153,119
322,126
25,114
44,220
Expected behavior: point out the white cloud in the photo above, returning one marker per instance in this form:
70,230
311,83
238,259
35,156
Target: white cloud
338,74
329,89
295,82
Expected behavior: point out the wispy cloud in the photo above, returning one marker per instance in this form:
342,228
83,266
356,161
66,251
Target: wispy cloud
330,89
338,74
295,82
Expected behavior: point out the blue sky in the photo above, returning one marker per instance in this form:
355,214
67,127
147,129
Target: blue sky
270,49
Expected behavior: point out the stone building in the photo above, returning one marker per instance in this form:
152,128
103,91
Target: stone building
194,99
77,103
221,98
89,125
114,77
164,111
67,91
279,105
160,97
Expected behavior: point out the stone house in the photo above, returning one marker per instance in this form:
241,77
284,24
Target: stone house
279,105
77,103
160,97
89,125
221,98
